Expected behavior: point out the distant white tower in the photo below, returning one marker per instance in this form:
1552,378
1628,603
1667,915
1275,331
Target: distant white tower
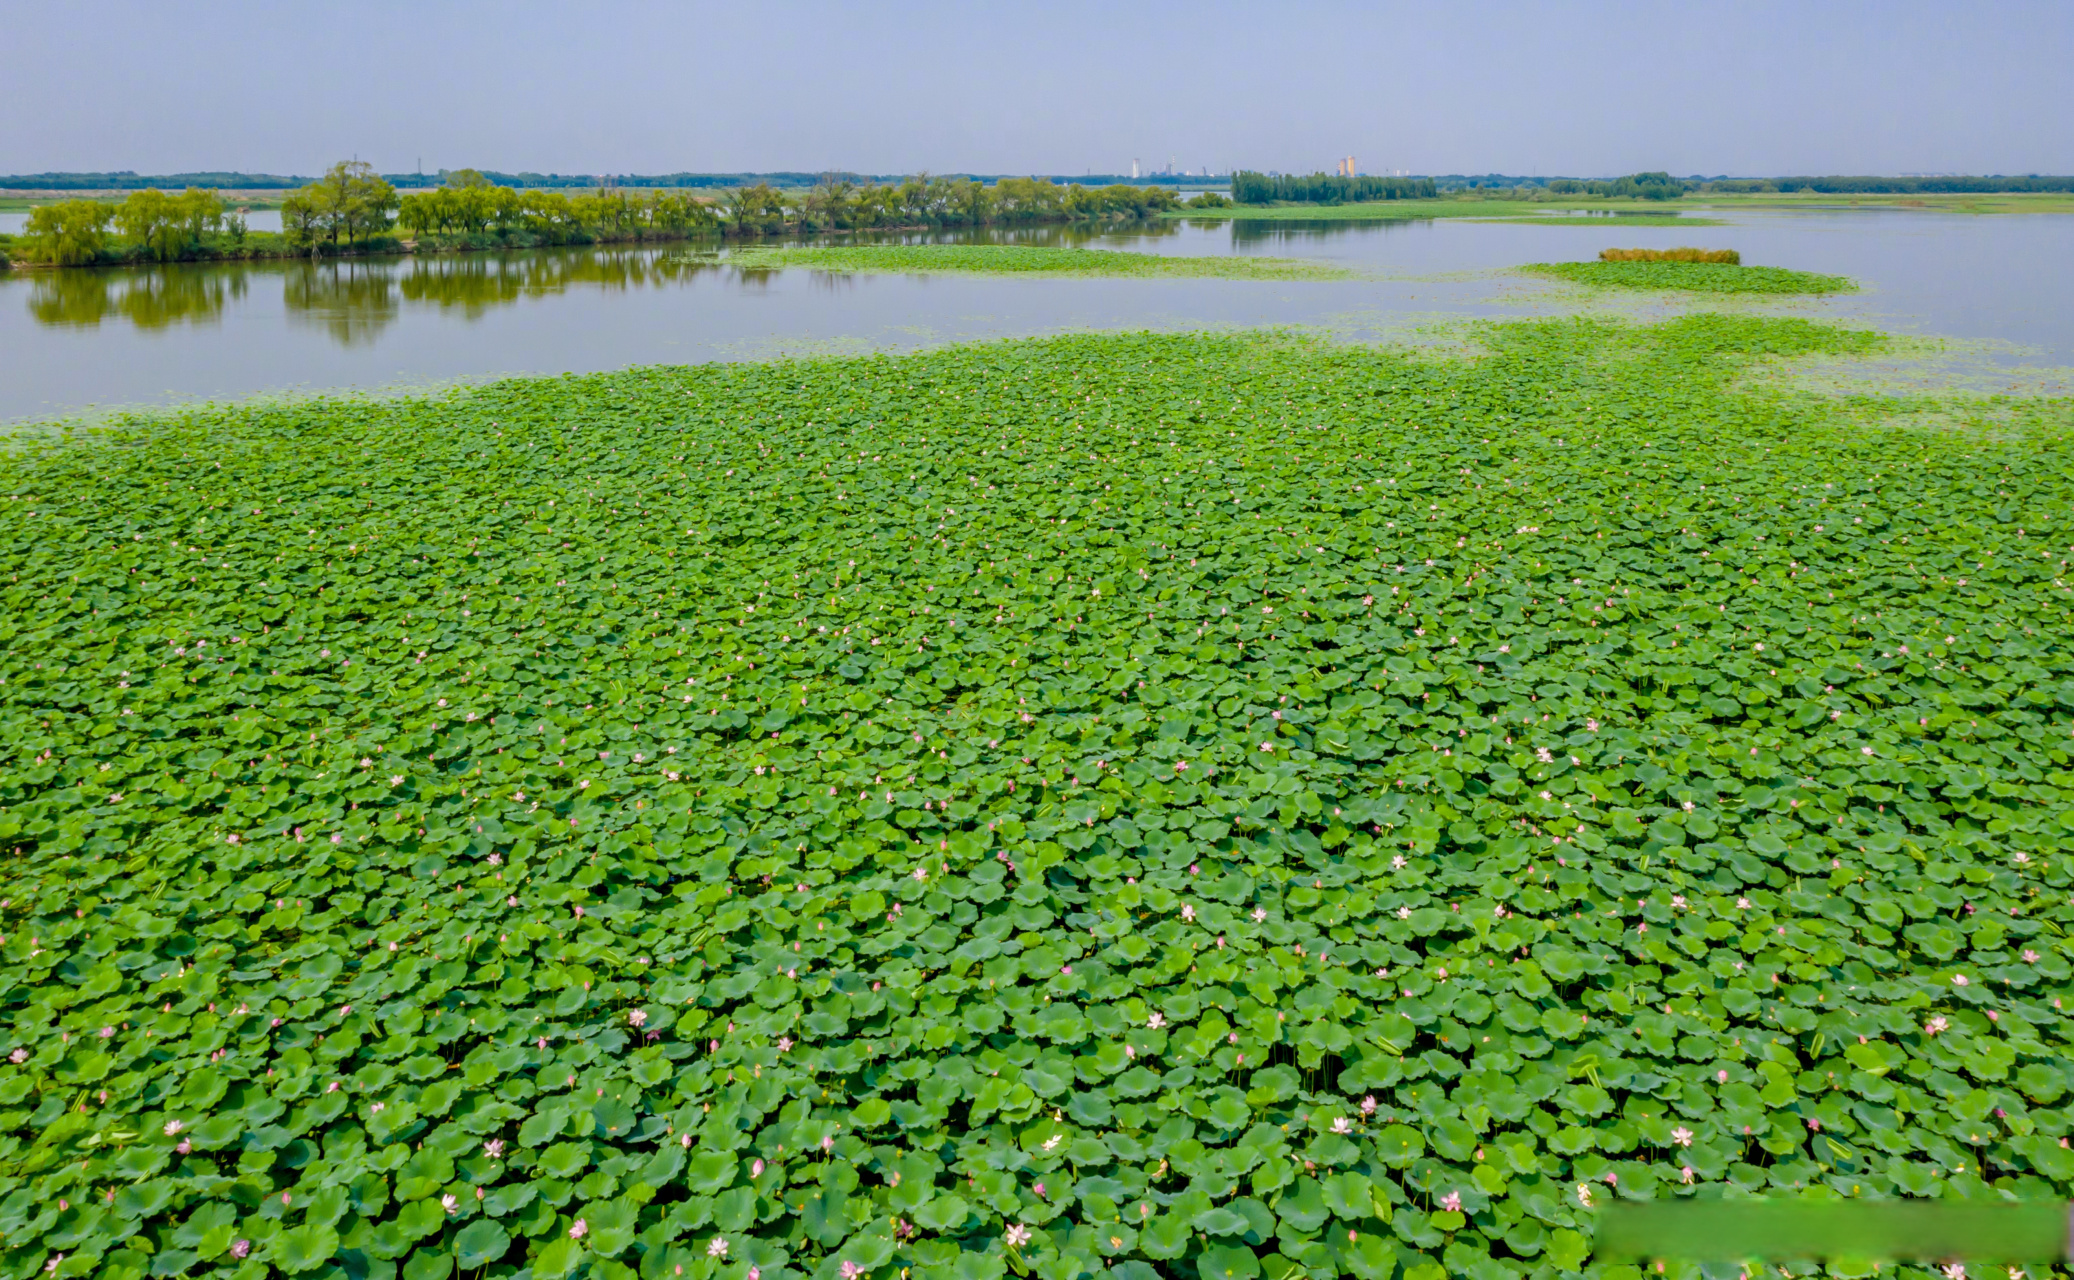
1134,168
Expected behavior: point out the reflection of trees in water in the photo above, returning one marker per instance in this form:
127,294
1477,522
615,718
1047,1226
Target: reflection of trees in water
149,298
476,283
356,299
353,301
1282,230
1067,235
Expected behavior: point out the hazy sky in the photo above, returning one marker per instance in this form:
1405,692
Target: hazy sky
1442,86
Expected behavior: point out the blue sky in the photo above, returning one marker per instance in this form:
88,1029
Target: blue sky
1812,86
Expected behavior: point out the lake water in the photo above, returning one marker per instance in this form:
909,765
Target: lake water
79,340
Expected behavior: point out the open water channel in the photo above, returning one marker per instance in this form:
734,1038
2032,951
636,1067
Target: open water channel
78,341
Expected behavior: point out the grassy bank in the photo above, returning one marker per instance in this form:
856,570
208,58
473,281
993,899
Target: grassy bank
1689,212
2018,202
1693,277
1022,260
1227,804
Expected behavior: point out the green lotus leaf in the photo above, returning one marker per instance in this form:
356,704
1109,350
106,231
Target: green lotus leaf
304,1248
558,1258
480,1243
428,1264
1228,1262
1302,1207
1165,1235
565,1159
944,1213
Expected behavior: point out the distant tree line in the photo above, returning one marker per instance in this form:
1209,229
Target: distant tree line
1640,186
942,202
1248,187
129,180
1925,186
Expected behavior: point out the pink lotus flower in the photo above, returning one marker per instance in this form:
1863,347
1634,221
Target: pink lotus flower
579,1230
851,1270
638,1018
1368,1105
717,1248
1682,1136
1452,1202
493,1149
1016,1236
239,1248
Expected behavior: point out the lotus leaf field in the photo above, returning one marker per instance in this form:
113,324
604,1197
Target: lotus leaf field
1693,277
1116,805
1001,259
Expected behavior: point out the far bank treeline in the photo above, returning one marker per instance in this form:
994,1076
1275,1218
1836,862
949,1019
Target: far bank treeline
352,209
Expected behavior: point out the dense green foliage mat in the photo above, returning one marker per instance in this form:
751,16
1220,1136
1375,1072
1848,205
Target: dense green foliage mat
1693,277
1186,805
998,259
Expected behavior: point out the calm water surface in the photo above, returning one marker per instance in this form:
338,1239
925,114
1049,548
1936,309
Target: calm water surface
76,340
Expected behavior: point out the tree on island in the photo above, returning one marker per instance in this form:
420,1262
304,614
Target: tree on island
351,200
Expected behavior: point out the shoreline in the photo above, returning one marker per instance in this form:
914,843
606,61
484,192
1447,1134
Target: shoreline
394,247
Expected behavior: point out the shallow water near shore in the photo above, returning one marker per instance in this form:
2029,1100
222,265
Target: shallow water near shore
80,341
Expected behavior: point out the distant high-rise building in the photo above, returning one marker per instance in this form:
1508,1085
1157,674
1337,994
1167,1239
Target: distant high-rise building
1134,168
1346,167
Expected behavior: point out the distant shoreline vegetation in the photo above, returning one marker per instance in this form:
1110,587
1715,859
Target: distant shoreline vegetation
1834,184
1248,187
784,179
353,210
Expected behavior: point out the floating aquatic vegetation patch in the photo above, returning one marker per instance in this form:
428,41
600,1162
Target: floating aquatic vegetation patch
992,259
1192,805
1693,277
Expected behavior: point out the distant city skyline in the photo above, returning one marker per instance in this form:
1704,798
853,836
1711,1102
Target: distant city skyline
1759,87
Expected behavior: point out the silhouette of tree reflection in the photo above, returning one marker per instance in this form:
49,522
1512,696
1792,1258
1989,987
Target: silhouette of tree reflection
352,301
149,298
1263,231
476,283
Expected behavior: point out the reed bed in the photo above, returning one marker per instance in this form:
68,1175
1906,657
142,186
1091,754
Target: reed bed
1728,256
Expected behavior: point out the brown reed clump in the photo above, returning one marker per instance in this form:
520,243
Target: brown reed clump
1729,256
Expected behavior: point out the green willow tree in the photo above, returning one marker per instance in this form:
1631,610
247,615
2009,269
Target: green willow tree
167,226
69,233
350,202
